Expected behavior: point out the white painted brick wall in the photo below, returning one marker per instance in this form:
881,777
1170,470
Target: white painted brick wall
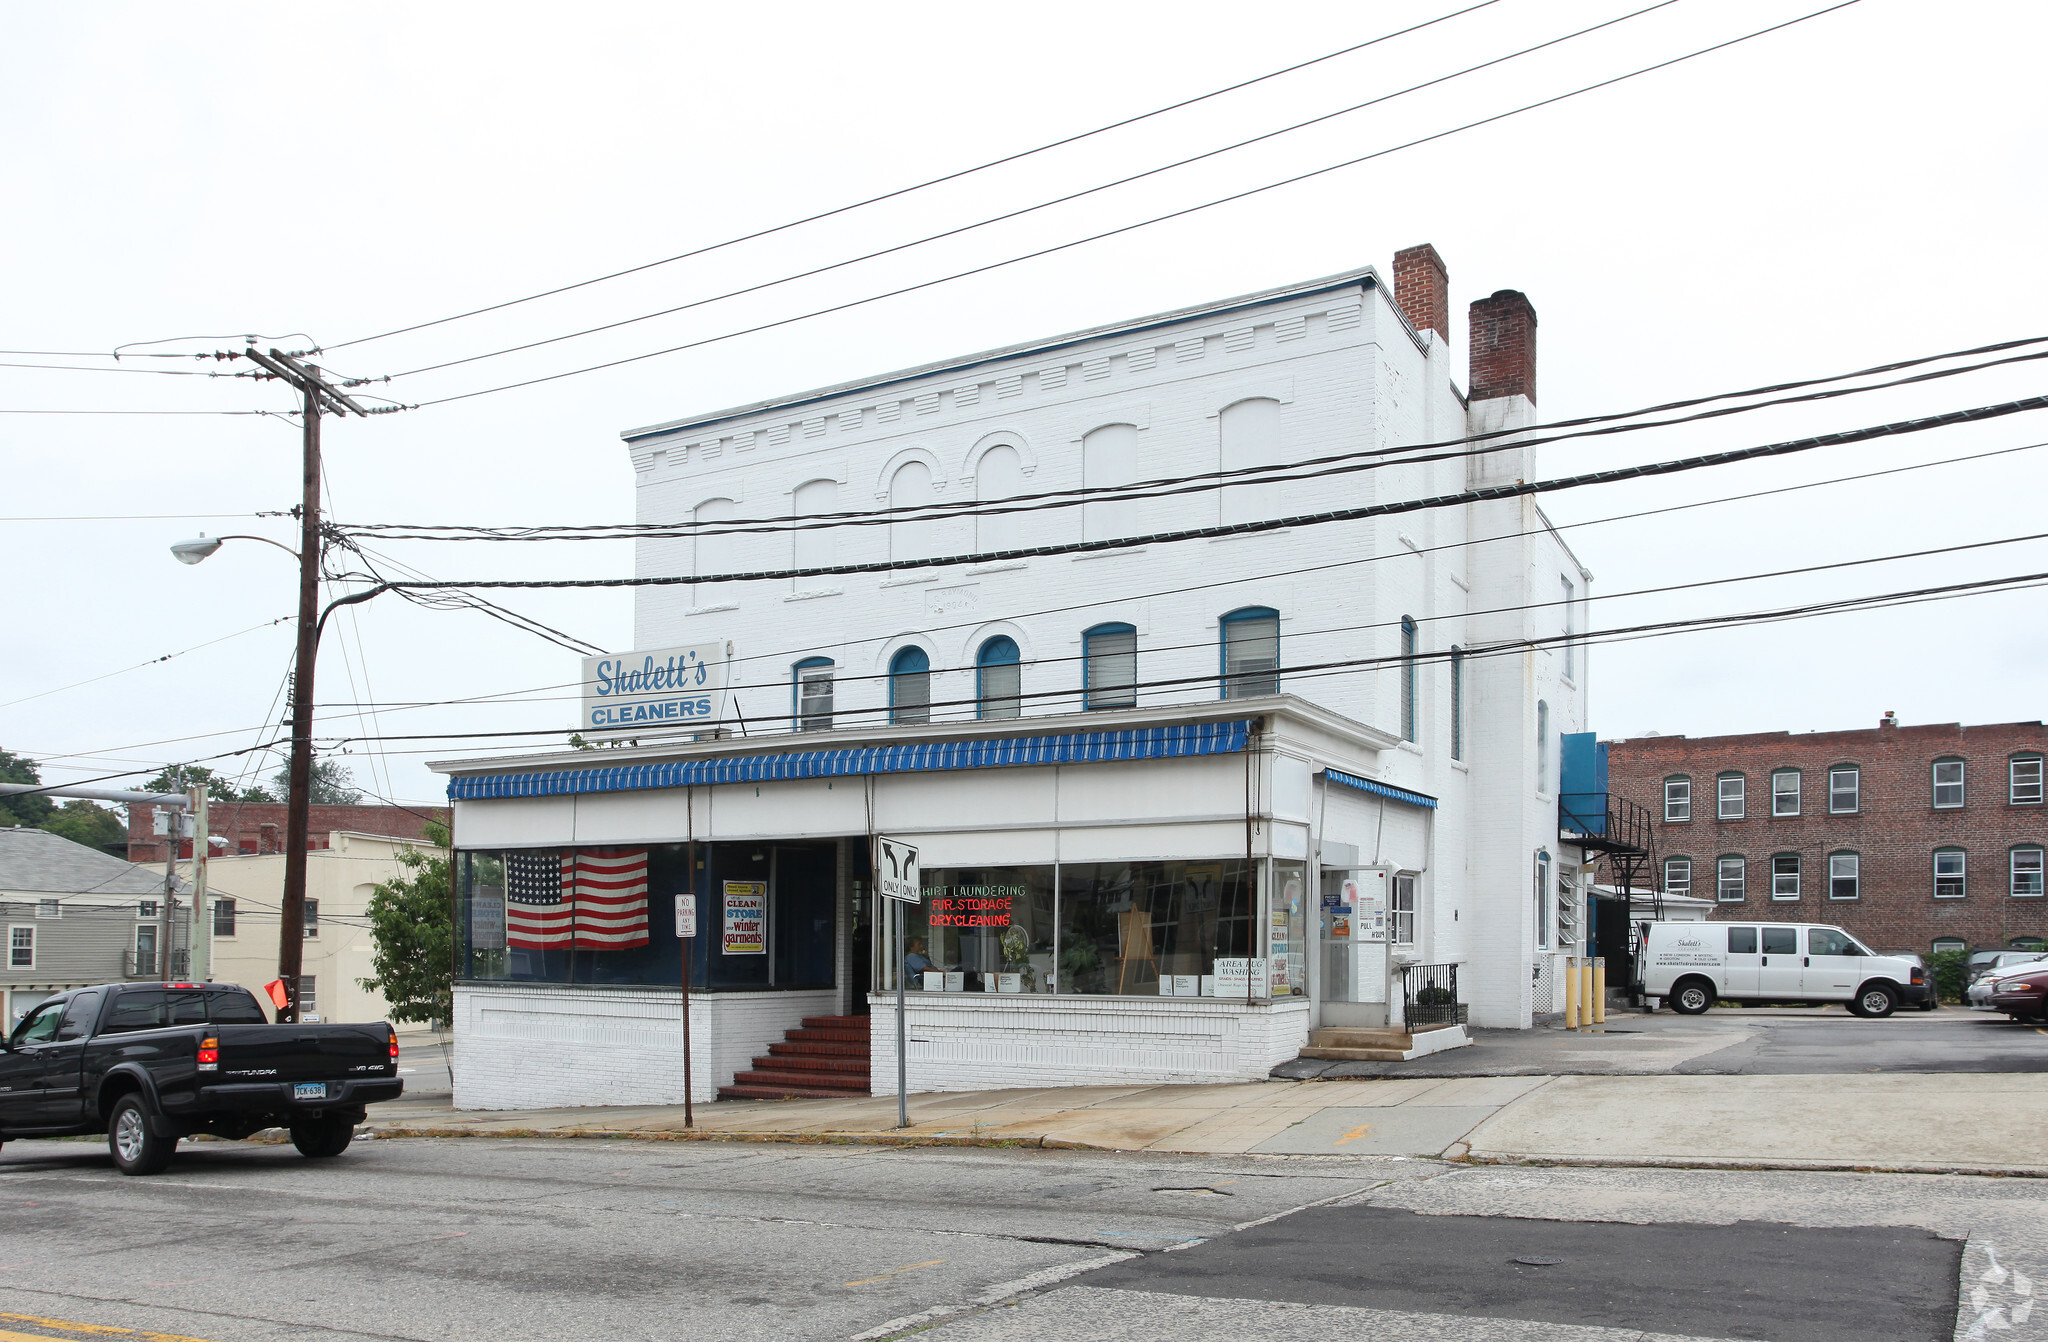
535,1047
978,1041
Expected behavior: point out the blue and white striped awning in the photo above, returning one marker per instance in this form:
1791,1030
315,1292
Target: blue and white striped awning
1387,790
1137,743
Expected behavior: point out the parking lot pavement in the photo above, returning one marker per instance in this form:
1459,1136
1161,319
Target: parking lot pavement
1730,1041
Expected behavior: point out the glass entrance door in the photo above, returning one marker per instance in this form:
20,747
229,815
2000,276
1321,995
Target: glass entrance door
1354,926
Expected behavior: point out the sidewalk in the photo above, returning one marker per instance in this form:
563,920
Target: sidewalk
1922,1122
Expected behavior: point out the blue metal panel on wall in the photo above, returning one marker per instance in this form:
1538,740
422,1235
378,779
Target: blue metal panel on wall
1582,790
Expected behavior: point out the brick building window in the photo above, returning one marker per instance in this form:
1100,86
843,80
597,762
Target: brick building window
1785,792
1677,799
1677,875
1950,944
1948,784
2026,873
1731,880
1845,790
1949,875
1730,796
2025,780
1845,876
1785,876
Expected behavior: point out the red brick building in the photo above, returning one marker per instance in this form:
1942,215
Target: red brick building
1913,838
258,827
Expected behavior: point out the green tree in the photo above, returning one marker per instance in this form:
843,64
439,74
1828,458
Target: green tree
85,822
331,785
217,788
1951,973
415,935
17,810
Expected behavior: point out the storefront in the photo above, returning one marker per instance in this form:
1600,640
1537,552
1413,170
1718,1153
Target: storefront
1101,905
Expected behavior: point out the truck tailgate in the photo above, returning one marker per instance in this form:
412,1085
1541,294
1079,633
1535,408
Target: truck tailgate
304,1052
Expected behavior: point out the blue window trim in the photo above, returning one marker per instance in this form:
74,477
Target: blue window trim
992,653
1183,740
1243,615
906,663
796,687
1088,637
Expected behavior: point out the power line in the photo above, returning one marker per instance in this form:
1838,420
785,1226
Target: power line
1144,223
1484,494
92,368
144,517
151,662
920,186
1036,206
1342,463
137,412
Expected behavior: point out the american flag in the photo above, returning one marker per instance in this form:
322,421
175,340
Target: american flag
539,909
611,897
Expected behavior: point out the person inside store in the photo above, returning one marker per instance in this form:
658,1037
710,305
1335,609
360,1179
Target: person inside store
916,962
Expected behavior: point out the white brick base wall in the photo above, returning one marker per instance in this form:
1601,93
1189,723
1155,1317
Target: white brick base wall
544,1047
979,1041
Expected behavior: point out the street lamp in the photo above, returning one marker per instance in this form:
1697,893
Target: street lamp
194,551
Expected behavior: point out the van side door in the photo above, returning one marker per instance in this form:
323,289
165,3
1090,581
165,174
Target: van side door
1779,971
1834,965
1744,963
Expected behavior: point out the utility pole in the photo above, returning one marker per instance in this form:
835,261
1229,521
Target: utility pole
320,395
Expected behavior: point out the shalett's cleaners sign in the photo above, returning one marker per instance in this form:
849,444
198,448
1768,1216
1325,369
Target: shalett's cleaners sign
648,691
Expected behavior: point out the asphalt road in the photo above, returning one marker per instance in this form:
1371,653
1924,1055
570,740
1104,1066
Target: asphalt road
534,1241
1738,1041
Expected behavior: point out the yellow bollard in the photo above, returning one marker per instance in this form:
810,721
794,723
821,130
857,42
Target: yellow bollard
1586,993
1599,990
1571,992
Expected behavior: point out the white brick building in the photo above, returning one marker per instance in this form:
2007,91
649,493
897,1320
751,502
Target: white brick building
1097,915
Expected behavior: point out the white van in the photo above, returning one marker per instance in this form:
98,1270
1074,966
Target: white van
1693,965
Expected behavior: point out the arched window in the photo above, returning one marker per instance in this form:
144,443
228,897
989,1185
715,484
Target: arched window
1249,436
1457,703
910,686
1731,796
1951,877
2026,871
1542,746
1251,652
714,554
999,679
998,475
811,694
2023,780
1785,873
815,548
1677,798
1109,667
1109,457
911,487
1731,879
1408,640
1845,789
1845,876
1948,784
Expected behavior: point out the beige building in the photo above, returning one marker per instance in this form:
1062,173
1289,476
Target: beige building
238,943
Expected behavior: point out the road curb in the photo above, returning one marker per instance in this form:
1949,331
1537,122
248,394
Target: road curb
1713,1163
786,1138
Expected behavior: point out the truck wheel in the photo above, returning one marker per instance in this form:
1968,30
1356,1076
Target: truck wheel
135,1148
1691,997
319,1138
1875,1001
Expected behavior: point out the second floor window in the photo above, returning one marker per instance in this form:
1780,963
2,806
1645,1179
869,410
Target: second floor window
1109,667
1251,653
21,948
813,691
1731,796
1677,875
910,686
145,908
1948,783
999,679
2026,873
223,917
1845,876
2026,780
1845,790
312,917
1785,876
1678,799
1950,875
1785,792
1731,879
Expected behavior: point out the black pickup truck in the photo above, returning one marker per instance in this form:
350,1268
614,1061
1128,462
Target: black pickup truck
148,1063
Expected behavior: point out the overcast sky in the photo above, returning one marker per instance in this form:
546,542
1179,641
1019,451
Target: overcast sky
1856,189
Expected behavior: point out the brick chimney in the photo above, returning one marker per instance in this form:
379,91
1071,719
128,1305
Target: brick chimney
1503,346
1422,289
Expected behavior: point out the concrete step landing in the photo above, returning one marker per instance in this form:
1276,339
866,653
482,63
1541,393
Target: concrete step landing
1385,1045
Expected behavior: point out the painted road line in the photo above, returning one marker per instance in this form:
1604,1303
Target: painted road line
895,1271
88,1329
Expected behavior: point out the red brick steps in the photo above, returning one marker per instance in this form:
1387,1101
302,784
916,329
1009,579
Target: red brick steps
826,1058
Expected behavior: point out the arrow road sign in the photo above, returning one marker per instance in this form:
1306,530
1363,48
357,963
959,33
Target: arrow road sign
896,873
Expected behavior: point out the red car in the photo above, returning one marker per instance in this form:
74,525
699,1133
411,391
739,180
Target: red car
2023,996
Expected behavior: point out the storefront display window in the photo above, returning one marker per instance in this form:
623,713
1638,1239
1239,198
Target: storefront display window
978,929
1287,915
1145,928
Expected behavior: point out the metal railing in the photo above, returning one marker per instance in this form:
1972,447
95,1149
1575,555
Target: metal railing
1429,996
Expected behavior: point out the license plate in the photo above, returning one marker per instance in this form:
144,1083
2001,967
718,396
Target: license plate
310,1090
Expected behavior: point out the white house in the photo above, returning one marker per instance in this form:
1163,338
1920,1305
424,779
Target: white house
1166,796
